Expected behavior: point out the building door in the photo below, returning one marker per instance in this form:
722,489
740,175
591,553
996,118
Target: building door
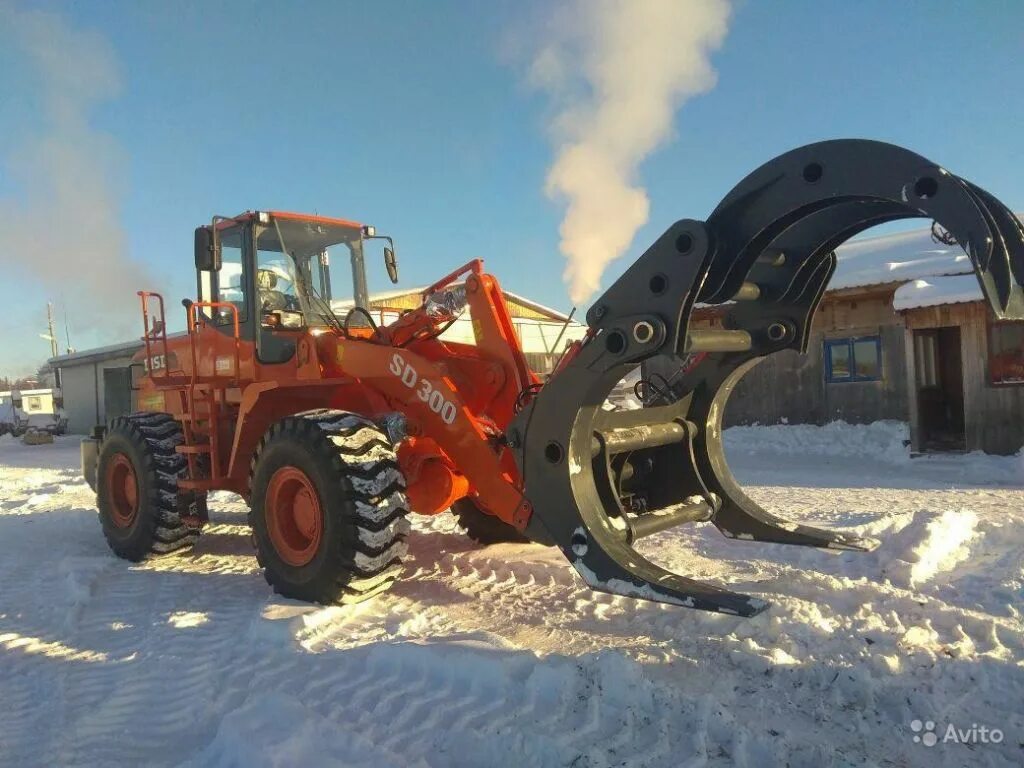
940,389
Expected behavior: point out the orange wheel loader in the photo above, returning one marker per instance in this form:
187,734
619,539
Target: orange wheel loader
334,425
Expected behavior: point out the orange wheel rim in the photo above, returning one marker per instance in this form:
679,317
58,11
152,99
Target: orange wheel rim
124,491
295,519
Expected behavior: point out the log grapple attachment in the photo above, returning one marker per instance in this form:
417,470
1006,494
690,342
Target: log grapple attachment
598,480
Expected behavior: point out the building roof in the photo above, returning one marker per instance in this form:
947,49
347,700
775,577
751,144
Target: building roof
896,258
544,310
930,292
99,354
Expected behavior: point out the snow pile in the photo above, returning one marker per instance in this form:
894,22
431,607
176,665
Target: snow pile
878,440
952,289
929,544
944,545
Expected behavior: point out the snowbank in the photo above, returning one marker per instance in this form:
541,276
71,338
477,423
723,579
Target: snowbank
862,451
930,545
879,440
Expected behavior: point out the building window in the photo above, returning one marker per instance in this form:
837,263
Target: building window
857,359
1006,353
35,403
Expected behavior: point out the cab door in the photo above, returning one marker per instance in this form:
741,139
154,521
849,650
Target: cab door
230,284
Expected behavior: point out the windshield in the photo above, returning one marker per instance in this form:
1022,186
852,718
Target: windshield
301,265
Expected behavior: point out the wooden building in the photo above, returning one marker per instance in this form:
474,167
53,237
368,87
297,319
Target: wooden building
902,334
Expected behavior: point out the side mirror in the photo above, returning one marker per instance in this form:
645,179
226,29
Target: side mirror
391,263
207,250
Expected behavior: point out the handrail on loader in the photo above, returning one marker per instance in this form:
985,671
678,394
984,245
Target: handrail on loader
158,331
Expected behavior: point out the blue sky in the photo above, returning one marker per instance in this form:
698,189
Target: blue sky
416,117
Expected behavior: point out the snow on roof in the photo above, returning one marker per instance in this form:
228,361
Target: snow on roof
895,258
930,292
900,257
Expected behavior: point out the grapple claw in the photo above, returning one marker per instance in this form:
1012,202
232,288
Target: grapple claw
607,565
599,480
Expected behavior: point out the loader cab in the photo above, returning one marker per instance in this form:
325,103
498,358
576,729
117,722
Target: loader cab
285,273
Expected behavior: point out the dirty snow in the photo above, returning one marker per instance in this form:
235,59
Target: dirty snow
501,657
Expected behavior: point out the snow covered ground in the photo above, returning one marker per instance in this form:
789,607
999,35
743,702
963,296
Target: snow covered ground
499,656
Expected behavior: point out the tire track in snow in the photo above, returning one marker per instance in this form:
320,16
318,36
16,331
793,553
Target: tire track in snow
436,672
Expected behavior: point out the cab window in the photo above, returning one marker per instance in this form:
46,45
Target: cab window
276,282
230,279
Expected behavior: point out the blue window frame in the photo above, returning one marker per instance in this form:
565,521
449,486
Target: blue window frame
853,359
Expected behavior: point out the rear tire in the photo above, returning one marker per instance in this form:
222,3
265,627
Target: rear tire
484,528
140,507
328,508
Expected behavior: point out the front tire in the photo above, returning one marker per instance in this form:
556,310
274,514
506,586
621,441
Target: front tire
328,508
140,507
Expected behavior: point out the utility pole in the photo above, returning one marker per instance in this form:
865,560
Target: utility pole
67,330
52,336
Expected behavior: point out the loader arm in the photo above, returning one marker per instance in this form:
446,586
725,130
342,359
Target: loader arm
456,399
599,480
494,334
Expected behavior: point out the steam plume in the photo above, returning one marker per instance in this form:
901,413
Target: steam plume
60,228
617,71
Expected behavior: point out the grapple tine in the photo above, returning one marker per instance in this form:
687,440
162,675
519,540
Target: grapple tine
740,517
1005,269
598,481
804,248
607,564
